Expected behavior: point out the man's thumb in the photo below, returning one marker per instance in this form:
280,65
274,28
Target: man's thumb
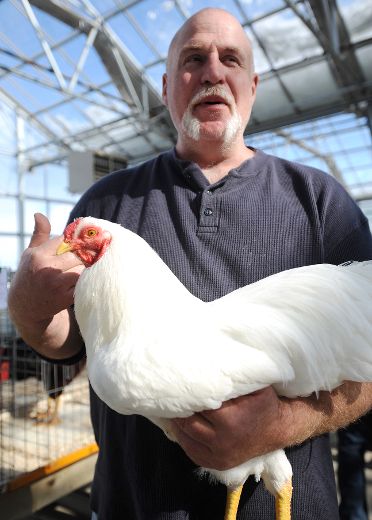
41,231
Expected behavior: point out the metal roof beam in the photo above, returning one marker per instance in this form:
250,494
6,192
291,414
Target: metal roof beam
69,98
329,28
83,56
47,50
307,115
125,74
274,72
330,12
28,116
369,116
104,43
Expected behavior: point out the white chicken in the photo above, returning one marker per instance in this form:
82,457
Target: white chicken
295,330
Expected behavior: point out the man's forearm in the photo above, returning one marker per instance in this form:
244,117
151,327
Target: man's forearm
58,338
312,416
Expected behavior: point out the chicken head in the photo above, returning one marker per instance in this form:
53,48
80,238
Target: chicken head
86,240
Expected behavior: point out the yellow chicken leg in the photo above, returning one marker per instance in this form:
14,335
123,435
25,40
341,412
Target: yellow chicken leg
283,502
232,502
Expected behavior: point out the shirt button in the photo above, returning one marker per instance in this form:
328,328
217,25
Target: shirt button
209,192
208,212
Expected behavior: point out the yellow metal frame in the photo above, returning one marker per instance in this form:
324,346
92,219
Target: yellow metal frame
62,462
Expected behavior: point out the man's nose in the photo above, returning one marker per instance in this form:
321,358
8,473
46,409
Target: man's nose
213,71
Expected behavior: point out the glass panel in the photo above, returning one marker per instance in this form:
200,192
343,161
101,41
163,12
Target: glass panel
32,137
8,175
271,102
58,216
67,56
161,20
256,8
132,40
261,63
111,91
103,6
160,141
8,252
22,40
300,84
98,142
366,207
54,29
155,75
28,94
34,183
8,215
364,56
137,146
8,57
49,181
286,39
112,102
78,115
30,208
357,15
93,71
58,182
342,144
43,154
8,130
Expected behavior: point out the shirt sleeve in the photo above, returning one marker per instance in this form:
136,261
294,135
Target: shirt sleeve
346,231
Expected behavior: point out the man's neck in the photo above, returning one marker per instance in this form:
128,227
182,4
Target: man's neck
214,161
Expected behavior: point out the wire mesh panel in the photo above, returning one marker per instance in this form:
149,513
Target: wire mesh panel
44,408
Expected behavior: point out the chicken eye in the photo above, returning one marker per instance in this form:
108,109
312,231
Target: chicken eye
91,233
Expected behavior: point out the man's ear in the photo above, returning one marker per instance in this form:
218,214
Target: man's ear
164,90
255,81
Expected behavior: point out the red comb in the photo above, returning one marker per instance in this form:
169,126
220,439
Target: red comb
70,229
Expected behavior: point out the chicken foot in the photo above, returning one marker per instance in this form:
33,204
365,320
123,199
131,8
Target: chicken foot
282,502
232,502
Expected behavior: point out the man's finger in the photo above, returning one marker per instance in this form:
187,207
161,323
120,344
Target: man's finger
195,427
41,231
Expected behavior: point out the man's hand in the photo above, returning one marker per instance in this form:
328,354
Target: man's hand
241,429
258,423
43,286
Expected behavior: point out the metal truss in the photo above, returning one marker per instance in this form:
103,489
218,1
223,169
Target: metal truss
137,109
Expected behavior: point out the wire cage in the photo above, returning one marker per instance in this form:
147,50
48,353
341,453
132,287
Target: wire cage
44,408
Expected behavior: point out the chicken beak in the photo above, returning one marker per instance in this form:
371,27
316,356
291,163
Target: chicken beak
63,248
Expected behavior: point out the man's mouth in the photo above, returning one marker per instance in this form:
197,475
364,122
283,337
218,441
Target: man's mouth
212,101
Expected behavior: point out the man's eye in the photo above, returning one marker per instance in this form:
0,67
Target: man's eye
230,59
193,58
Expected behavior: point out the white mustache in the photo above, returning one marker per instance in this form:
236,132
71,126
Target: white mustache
212,91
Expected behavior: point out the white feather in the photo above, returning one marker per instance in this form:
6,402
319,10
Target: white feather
156,350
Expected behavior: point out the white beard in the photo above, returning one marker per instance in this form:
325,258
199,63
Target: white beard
192,126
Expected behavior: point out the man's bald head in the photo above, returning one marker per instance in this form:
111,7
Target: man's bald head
205,16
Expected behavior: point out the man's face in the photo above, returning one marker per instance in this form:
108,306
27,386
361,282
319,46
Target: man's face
210,88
